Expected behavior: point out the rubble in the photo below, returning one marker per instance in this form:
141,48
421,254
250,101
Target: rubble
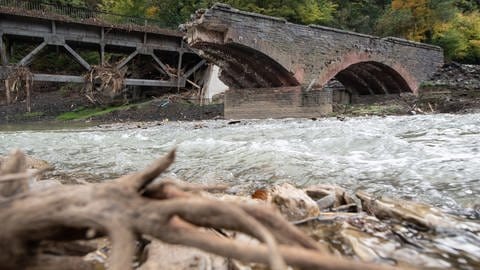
457,75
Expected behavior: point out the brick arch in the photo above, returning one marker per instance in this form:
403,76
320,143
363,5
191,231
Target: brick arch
357,62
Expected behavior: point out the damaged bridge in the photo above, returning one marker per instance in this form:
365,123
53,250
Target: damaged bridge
270,55
30,28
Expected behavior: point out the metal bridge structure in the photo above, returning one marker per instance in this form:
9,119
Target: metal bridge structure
73,30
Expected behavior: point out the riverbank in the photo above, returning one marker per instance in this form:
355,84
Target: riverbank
56,107
453,89
76,110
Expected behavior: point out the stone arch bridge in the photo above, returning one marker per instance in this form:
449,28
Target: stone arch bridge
276,65
257,51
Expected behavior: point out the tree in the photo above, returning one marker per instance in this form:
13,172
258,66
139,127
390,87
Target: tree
460,38
417,18
134,8
173,13
359,15
468,5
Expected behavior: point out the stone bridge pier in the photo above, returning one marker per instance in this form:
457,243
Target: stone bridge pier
256,51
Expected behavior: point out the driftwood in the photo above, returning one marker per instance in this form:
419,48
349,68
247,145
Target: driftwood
135,205
103,84
20,78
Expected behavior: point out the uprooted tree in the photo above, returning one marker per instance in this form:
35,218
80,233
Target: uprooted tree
133,206
18,85
103,84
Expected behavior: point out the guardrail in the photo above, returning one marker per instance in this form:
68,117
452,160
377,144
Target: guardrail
42,8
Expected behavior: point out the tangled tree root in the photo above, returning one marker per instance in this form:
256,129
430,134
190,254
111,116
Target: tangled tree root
20,78
135,205
103,84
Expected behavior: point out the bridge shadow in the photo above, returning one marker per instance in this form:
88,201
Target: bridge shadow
244,67
372,78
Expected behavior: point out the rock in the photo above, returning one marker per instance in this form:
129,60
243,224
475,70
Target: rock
326,202
36,185
173,257
456,76
325,193
32,163
293,203
422,215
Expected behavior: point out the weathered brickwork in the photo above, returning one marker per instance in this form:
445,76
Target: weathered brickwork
282,102
259,51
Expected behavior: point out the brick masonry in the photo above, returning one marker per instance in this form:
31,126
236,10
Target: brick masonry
282,102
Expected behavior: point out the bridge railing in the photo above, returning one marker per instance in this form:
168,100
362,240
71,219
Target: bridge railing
42,8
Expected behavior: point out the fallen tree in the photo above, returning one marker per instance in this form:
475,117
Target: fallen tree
40,230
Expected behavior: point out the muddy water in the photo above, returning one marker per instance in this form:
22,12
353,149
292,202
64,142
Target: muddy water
434,158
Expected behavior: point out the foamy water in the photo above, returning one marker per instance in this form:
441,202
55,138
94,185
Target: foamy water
434,158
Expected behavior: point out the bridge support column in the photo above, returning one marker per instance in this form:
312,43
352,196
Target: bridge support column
3,52
102,55
102,47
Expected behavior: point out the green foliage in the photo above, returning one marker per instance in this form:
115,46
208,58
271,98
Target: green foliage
468,5
359,15
172,13
395,23
83,113
134,8
32,114
460,37
415,19
76,3
297,11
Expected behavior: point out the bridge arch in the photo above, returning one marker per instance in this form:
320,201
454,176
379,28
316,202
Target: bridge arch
245,67
366,73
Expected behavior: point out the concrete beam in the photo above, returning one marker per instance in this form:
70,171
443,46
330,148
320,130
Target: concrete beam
347,77
3,52
373,80
77,57
195,68
28,59
179,64
162,65
126,60
110,40
154,83
58,78
128,82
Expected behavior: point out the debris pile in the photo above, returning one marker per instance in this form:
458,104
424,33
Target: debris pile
103,84
18,86
457,76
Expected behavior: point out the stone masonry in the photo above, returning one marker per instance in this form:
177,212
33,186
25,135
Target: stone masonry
257,51
276,103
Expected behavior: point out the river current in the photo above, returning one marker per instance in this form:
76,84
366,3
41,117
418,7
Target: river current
432,158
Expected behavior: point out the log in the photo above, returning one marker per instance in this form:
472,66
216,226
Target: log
133,206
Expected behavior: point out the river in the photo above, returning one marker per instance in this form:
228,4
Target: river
429,158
